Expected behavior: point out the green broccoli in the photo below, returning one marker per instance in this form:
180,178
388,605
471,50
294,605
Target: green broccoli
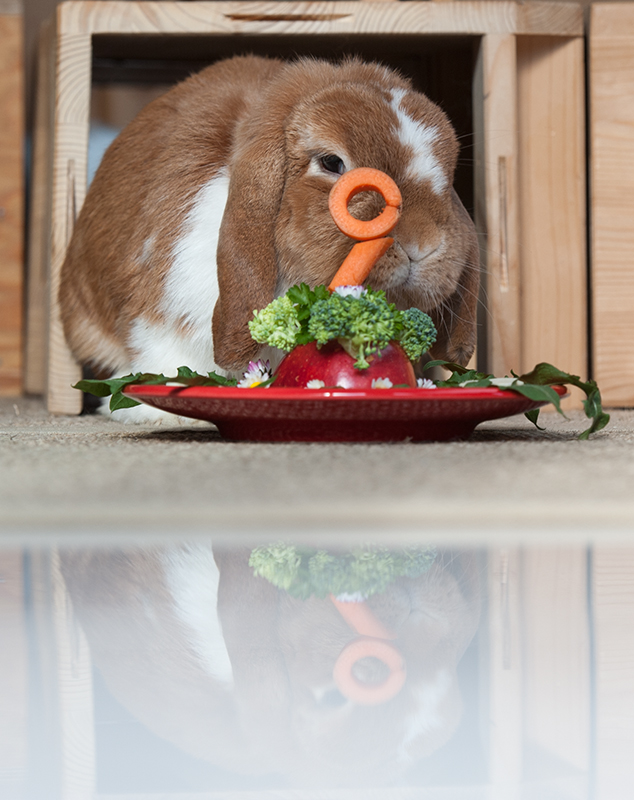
362,321
417,334
278,324
303,572
362,324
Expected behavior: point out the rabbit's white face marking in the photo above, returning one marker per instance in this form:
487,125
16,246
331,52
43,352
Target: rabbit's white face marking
426,718
424,165
193,577
191,289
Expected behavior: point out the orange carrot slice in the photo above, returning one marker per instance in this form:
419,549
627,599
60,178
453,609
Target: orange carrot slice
359,262
369,694
364,179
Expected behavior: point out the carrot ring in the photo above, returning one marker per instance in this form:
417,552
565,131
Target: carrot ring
358,264
364,179
364,693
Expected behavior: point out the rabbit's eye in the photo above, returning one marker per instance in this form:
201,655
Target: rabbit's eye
332,164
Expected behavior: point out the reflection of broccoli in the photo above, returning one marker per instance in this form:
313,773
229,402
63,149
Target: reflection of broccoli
363,571
418,333
277,324
362,321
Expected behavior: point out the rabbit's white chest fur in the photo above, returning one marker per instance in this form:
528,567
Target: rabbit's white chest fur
191,291
183,336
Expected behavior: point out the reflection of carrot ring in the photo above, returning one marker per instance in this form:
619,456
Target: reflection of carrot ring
364,179
369,694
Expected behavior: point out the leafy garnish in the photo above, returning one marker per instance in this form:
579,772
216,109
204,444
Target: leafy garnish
536,385
115,386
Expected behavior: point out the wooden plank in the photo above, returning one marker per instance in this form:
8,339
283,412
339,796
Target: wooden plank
14,671
612,198
11,199
39,233
503,670
70,161
65,704
552,194
470,17
495,130
613,605
556,634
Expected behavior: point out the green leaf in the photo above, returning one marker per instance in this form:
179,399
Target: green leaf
120,400
533,416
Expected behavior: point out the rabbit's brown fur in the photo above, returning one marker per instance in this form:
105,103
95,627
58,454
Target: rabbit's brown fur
214,200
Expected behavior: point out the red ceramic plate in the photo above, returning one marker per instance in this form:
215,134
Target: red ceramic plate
338,415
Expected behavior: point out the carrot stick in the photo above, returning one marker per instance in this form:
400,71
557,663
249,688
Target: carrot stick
359,262
364,179
362,619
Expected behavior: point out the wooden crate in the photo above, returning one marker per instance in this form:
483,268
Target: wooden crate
612,198
11,196
527,97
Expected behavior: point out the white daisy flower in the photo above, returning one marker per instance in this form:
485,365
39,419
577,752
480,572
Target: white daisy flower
425,383
382,383
258,372
315,384
355,291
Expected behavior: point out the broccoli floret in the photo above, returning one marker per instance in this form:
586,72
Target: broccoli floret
417,333
363,570
277,324
362,325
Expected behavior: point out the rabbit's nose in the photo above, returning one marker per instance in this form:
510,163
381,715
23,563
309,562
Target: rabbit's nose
417,252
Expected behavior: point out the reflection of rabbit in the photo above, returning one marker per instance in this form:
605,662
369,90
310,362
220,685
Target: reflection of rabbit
255,692
215,199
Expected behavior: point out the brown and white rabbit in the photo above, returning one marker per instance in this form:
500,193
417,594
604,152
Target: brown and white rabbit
214,201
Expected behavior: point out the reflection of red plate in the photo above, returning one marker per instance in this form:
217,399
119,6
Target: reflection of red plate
337,415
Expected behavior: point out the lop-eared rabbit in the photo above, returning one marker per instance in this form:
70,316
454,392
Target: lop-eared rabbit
237,672
214,200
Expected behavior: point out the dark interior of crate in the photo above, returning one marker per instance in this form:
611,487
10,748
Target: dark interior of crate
440,66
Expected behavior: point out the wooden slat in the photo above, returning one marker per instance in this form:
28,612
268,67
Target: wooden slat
495,124
14,670
557,661
613,605
11,199
70,161
552,193
39,233
503,670
479,17
612,198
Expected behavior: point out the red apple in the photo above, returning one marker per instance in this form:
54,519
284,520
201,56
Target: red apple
332,365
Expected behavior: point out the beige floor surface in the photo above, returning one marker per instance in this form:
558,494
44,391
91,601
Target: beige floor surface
88,475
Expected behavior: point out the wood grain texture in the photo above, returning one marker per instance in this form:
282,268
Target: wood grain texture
39,231
557,659
473,17
14,671
495,130
613,604
11,203
552,202
70,160
612,198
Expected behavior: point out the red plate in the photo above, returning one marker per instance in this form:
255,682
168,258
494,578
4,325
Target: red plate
338,415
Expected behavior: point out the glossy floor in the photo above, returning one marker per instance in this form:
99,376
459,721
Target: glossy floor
170,670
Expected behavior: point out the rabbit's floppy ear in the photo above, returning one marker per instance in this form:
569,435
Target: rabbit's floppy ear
247,268
455,319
